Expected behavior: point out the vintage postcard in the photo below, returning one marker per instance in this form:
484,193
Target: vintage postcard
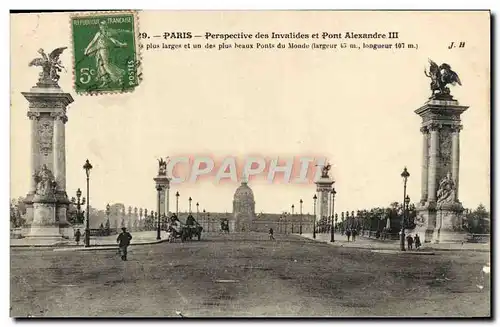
250,164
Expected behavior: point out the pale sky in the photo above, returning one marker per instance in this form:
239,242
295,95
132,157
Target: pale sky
355,108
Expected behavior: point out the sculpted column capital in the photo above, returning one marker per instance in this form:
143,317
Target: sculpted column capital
59,115
456,128
434,127
33,115
424,130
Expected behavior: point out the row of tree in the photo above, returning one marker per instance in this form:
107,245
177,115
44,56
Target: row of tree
475,221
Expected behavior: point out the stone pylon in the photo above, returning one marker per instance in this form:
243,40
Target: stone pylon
164,200
439,213
323,189
47,206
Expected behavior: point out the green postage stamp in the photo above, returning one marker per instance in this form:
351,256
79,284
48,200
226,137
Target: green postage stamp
105,52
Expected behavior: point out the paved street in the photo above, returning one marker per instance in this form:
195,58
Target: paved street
376,244
246,275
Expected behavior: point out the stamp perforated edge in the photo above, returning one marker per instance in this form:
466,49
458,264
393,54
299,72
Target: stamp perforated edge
138,52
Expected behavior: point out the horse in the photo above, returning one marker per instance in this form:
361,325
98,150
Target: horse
182,233
185,232
194,231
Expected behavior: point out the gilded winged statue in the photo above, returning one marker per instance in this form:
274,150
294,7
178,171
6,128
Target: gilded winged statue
162,166
324,171
51,66
440,77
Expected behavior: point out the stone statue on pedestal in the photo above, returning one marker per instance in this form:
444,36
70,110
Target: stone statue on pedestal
446,190
162,167
45,181
51,66
324,171
440,77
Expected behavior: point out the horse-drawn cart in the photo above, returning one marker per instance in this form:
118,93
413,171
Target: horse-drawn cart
185,231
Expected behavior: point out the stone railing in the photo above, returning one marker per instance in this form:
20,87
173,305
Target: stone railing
478,238
16,233
381,236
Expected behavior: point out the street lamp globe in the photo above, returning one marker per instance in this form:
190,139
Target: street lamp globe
405,174
87,167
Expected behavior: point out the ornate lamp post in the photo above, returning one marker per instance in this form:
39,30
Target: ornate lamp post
203,217
300,226
108,209
78,204
208,222
314,220
332,228
158,231
152,220
336,218
190,204
407,209
177,203
405,174
140,219
87,168
197,211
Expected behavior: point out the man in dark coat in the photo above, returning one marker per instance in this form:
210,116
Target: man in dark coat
78,234
271,234
417,241
409,240
123,241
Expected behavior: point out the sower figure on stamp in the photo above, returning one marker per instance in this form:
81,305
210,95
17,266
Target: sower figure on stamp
123,241
100,47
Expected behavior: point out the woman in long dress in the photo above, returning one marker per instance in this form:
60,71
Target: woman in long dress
100,47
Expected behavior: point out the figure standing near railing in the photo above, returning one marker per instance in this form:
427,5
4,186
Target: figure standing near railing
123,241
78,234
417,241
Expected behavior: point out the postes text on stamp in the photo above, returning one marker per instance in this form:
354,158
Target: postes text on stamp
105,55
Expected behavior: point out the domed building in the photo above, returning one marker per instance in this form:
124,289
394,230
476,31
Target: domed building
243,207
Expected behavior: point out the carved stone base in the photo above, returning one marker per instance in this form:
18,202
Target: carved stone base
449,224
426,222
440,223
45,224
449,236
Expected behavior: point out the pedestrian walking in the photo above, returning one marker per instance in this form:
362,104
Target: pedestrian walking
271,234
354,233
78,235
409,240
348,234
123,241
417,241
